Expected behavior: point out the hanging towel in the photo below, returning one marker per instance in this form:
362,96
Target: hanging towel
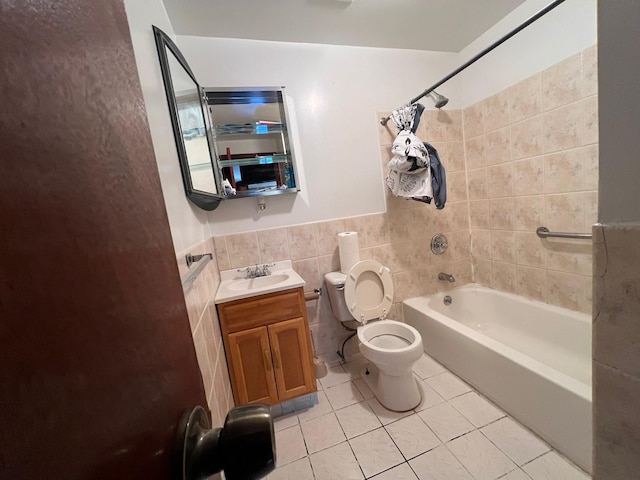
409,174
438,177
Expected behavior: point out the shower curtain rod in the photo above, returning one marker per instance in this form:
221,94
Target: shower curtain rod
522,26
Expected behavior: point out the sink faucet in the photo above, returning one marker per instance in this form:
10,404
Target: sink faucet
447,277
257,270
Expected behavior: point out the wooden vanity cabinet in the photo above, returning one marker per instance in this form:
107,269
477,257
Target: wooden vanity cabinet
268,347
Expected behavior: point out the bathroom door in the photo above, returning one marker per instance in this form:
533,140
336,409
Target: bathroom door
97,362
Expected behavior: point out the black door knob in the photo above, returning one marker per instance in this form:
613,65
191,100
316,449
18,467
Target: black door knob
244,448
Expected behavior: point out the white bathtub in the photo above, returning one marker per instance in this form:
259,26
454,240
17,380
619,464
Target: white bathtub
530,358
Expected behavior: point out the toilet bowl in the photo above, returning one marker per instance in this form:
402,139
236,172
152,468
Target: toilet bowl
366,295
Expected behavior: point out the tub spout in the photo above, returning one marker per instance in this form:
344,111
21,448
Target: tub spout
447,277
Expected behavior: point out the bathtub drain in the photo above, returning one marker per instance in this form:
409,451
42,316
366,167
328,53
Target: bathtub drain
447,300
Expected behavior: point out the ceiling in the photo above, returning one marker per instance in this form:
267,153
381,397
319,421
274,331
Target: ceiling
437,25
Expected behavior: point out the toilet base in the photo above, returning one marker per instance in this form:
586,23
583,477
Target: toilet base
395,393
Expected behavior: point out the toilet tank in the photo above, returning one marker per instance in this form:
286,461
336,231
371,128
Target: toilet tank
335,287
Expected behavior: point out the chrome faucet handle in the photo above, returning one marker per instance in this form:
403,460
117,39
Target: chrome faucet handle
266,268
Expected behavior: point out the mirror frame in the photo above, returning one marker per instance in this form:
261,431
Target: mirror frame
205,200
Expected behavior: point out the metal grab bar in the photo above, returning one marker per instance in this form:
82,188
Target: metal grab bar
543,232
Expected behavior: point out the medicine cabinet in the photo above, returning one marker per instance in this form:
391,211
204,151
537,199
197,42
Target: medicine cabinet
231,142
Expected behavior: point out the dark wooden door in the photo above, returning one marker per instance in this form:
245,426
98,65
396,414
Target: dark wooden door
96,358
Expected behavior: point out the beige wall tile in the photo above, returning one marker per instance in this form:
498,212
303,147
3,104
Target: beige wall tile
588,128
456,186
565,212
500,180
479,216
458,216
453,124
374,229
454,159
433,126
528,176
481,244
590,200
562,83
222,254
565,290
273,245
590,71
527,138
591,167
302,241
502,212
310,272
329,263
529,213
473,119
475,152
531,282
477,183
379,253
243,249
482,271
503,246
496,111
327,236
498,146
530,250
564,171
564,127
525,98
569,256
385,156
503,276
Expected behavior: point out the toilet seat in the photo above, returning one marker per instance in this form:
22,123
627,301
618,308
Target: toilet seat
368,291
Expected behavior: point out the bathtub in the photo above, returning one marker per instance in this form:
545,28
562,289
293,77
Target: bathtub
530,358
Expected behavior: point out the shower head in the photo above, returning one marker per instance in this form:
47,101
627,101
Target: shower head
439,100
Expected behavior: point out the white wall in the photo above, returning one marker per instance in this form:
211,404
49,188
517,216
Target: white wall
565,30
618,77
188,223
336,91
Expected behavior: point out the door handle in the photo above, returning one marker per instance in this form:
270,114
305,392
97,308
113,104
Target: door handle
244,448
267,360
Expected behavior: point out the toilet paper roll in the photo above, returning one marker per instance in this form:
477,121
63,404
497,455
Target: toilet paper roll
349,251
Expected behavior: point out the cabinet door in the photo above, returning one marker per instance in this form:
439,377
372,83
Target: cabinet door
251,367
292,358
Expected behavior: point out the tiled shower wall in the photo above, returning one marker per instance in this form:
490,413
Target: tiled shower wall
207,338
532,160
399,239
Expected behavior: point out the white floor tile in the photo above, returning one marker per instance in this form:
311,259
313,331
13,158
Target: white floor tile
427,367
343,395
481,457
386,416
357,419
323,407
439,464
516,475
322,432
298,470
412,436
445,421
285,421
363,388
476,409
354,367
376,452
429,396
401,472
289,445
552,466
517,443
335,376
336,463
447,385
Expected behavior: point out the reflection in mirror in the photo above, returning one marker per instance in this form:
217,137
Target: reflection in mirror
190,126
252,137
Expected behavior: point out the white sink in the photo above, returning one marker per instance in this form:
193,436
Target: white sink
258,282
234,285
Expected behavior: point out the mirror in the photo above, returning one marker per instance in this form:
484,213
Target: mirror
251,129
191,126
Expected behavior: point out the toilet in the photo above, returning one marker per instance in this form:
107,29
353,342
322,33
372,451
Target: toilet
365,294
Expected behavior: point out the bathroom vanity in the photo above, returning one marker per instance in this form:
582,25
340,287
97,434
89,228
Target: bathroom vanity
266,338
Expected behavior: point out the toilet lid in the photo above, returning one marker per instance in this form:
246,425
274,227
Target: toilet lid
368,290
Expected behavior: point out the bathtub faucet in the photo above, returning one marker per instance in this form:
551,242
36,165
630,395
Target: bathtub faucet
447,277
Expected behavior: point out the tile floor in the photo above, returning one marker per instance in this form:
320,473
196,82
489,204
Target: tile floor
454,434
